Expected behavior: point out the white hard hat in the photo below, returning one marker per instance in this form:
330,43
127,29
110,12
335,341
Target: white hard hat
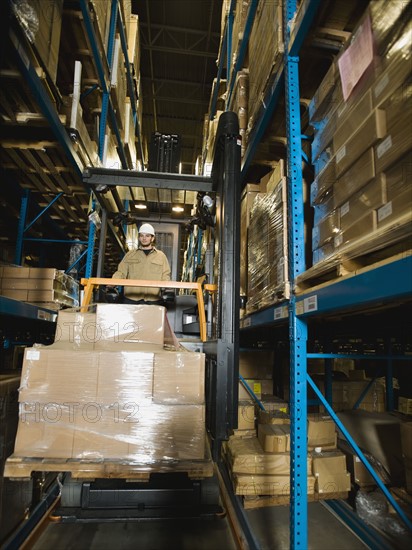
147,228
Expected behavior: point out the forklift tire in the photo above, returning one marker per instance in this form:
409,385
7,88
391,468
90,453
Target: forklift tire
210,493
71,493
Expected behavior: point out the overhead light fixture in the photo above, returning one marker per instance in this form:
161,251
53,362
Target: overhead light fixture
177,208
140,206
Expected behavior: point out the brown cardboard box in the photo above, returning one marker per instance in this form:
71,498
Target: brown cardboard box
372,129
256,364
246,456
399,177
47,38
359,473
333,484
323,208
370,197
396,71
20,295
118,325
179,378
247,199
124,377
405,406
75,330
14,272
321,430
43,273
355,178
349,117
246,415
321,101
394,209
364,226
43,284
45,296
255,485
273,417
330,471
326,229
398,140
259,388
272,404
101,432
14,284
60,376
44,430
323,182
163,432
274,438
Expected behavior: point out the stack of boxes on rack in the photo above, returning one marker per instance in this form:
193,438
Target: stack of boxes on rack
113,386
258,452
362,144
263,255
52,29
252,81
259,457
42,286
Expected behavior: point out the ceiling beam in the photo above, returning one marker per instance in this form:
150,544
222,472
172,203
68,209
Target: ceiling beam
179,51
173,81
184,30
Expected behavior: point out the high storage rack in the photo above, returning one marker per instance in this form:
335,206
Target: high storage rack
381,285
63,140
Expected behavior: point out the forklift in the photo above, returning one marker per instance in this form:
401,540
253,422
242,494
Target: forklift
174,488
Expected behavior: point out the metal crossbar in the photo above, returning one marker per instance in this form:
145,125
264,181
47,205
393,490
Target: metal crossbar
197,287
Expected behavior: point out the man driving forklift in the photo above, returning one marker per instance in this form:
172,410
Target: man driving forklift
144,263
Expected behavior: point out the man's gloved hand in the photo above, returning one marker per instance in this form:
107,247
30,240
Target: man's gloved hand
168,295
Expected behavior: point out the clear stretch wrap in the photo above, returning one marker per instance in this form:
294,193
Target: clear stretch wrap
266,47
99,394
362,147
267,249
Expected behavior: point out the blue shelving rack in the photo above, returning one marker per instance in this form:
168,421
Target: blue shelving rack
364,289
48,109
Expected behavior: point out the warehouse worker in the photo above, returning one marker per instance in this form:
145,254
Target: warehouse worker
147,262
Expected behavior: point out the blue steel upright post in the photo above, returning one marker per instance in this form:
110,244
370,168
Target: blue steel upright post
105,104
297,327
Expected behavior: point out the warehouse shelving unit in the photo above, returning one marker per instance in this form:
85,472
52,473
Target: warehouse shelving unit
364,289
67,141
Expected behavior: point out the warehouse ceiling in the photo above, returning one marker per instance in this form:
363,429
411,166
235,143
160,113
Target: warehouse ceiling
179,51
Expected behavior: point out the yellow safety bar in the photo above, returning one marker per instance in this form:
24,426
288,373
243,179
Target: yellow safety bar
197,287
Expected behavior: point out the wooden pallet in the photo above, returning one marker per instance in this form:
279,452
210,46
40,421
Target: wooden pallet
23,467
329,272
264,501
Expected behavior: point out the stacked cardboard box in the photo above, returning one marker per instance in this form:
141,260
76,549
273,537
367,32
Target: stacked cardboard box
256,472
260,465
42,23
362,146
46,287
266,47
267,244
248,196
109,389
